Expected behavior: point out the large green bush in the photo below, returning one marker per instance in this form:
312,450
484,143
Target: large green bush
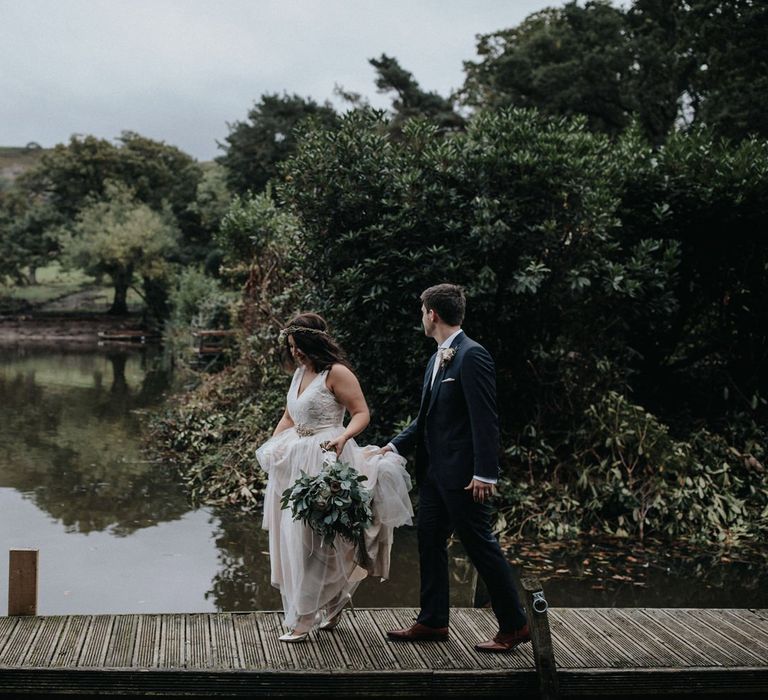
631,477
519,209
581,257
706,362
590,278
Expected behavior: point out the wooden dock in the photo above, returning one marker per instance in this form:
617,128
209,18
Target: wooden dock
620,652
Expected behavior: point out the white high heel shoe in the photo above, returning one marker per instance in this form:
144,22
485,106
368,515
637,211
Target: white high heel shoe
331,622
292,637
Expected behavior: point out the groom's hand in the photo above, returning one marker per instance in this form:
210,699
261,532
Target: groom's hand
481,491
383,450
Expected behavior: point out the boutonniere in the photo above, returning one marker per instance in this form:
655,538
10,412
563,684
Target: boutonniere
446,356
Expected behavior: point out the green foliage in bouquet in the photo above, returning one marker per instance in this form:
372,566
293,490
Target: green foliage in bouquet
332,503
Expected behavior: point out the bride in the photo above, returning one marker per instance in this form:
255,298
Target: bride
317,581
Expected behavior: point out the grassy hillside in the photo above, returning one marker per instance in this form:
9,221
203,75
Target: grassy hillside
61,290
14,160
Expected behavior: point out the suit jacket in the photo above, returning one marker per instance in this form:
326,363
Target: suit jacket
456,433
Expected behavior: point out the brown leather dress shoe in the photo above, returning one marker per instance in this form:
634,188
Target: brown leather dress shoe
505,642
419,633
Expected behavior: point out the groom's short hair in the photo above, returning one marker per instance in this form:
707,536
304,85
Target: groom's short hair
447,300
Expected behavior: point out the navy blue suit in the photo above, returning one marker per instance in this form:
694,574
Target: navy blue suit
456,437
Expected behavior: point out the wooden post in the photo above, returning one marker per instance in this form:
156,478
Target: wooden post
22,582
538,624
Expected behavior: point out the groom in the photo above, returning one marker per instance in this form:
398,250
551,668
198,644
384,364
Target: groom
456,440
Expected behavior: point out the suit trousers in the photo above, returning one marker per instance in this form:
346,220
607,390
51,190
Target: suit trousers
441,513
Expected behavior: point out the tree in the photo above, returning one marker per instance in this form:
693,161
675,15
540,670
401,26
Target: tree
30,240
210,206
121,237
28,234
660,80
254,147
563,61
410,100
671,63
71,175
730,85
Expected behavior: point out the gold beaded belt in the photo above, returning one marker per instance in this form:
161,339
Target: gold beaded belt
303,430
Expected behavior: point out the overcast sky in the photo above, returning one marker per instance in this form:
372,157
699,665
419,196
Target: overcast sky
179,70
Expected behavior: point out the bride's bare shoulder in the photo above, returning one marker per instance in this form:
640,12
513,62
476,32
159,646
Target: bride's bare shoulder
339,375
339,370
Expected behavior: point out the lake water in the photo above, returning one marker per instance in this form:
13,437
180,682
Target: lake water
116,532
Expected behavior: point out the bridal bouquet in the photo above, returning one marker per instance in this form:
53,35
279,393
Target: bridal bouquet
332,503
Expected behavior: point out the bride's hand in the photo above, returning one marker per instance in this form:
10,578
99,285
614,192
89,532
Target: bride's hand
337,444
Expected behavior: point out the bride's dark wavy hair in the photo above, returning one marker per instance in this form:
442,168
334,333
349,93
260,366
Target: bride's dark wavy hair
320,348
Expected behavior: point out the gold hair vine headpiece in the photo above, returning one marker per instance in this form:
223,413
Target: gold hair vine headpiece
290,330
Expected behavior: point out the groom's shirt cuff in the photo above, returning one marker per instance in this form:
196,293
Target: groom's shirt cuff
392,447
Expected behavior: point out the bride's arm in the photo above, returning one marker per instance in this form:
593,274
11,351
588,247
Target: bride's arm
285,422
344,385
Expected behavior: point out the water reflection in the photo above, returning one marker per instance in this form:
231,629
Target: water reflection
243,581
115,531
70,433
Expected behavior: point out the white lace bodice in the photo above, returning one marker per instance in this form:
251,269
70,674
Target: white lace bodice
317,407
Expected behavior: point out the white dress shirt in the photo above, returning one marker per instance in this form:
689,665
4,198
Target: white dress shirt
443,346
446,344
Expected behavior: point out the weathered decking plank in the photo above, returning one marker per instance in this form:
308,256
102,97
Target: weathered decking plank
223,647
469,626
744,622
71,643
42,649
689,654
270,628
644,637
716,646
598,651
7,625
632,654
248,640
347,639
407,656
145,651
198,641
464,626
381,655
96,642
20,641
173,650
749,639
122,640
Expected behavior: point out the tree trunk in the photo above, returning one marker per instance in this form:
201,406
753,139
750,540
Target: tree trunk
122,280
119,382
156,298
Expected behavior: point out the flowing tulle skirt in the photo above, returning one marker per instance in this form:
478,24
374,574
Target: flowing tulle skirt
316,580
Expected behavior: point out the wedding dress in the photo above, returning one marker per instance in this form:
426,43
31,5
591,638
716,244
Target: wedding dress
316,580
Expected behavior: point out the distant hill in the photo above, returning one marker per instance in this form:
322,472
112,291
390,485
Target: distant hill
14,160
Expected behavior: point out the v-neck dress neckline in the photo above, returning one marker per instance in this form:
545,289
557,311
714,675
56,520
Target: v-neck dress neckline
300,393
